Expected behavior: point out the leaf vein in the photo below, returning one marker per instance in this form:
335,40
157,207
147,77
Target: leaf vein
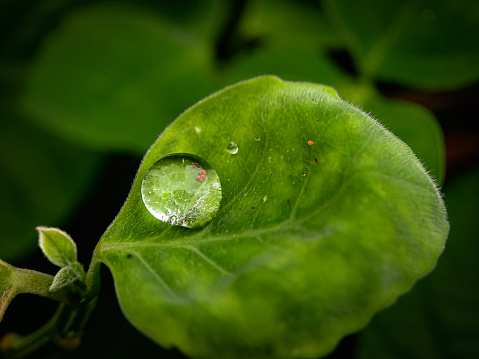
155,275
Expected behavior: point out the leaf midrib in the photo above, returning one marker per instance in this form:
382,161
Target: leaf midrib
202,238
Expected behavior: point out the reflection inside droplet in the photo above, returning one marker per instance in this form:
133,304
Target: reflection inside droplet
232,148
182,190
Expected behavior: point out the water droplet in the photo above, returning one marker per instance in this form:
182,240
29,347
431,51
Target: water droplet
232,148
303,174
265,198
197,129
257,138
187,191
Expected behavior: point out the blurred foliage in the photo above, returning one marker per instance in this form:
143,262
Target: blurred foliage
81,80
426,43
42,179
113,77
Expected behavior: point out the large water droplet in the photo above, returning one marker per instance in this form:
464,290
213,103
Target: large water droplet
232,148
182,190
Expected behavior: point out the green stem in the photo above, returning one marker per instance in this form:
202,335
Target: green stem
66,327
64,330
33,282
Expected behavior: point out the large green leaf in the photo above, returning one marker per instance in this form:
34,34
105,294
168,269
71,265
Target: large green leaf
439,318
412,123
310,239
113,76
430,44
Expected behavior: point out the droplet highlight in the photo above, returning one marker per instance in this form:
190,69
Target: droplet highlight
232,148
182,190
257,138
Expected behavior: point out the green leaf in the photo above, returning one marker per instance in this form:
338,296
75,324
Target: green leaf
67,275
439,318
114,76
429,44
57,246
310,239
412,123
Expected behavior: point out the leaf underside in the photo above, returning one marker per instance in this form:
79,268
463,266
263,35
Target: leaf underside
310,239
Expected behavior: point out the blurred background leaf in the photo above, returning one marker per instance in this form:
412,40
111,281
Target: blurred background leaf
421,43
42,181
86,86
113,77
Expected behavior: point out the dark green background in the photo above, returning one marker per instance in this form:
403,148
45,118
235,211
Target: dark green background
87,86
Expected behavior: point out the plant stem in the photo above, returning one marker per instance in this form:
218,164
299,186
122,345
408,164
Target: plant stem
66,327
33,282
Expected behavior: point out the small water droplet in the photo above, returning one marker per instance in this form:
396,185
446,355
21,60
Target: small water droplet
265,198
303,174
232,148
197,129
187,191
257,138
